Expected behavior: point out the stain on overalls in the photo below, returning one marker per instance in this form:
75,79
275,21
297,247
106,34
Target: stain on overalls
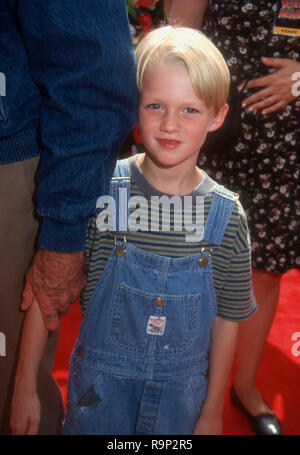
140,363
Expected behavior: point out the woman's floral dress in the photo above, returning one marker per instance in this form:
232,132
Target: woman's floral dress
263,166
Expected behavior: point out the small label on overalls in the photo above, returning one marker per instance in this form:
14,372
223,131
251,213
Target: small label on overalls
156,325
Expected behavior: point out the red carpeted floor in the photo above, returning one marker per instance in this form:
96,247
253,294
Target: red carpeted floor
278,376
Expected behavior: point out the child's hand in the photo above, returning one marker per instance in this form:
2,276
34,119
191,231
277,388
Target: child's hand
25,413
209,425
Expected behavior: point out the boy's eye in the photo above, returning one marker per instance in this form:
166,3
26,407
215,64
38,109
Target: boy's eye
153,106
190,110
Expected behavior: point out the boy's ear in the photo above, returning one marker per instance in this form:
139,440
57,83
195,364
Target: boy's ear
219,118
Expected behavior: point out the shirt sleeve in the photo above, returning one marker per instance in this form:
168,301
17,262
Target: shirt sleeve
232,270
80,55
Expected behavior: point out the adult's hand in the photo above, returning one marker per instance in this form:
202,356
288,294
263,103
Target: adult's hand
55,280
277,91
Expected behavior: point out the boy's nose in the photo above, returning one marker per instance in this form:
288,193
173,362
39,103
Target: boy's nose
169,123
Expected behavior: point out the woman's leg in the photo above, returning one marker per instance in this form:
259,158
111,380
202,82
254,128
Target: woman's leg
252,338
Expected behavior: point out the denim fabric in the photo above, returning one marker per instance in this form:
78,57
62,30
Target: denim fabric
71,96
127,377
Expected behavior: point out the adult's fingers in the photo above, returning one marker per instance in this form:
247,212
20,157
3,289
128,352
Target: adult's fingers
268,79
50,315
257,97
53,302
275,62
263,81
51,321
50,307
275,107
264,104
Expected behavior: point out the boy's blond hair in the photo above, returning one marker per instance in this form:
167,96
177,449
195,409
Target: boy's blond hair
204,63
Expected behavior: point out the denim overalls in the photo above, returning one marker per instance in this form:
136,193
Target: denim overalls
140,363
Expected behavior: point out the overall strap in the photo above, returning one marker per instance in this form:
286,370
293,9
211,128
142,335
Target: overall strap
114,211
219,215
122,169
120,191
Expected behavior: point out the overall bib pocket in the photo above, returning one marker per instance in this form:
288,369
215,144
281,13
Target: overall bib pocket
152,323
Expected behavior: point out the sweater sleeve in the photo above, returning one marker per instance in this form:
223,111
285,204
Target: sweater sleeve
81,59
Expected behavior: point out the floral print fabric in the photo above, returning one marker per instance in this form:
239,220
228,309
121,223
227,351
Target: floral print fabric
263,166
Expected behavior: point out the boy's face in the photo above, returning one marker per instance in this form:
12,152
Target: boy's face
173,121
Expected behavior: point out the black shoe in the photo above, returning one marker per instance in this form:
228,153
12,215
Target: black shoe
261,424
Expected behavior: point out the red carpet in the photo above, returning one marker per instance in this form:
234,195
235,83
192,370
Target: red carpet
279,374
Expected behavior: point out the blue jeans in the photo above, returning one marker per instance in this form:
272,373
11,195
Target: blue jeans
140,362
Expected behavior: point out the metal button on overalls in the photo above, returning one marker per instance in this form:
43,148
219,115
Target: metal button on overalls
203,261
159,301
120,250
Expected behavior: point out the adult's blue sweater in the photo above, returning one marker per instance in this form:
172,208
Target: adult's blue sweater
68,94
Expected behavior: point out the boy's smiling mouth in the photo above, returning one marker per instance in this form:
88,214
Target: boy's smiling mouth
168,143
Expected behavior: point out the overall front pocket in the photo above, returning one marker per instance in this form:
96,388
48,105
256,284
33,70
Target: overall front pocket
153,323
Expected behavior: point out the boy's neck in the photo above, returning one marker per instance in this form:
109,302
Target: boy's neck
170,180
